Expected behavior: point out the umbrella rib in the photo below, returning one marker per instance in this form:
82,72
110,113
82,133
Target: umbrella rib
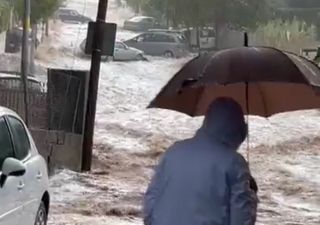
196,107
306,66
264,102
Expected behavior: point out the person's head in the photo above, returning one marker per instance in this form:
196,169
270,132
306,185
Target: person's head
225,122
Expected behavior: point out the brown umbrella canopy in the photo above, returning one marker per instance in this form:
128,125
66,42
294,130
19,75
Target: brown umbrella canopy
265,81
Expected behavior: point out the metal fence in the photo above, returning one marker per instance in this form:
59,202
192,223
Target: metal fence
56,114
38,106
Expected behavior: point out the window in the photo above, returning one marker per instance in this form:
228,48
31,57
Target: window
74,13
148,20
20,138
141,38
6,149
136,19
145,38
119,45
163,38
171,39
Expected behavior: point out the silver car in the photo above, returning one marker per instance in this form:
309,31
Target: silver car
122,52
158,43
71,16
140,23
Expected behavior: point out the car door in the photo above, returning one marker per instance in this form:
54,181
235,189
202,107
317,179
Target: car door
120,52
123,52
144,42
151,44
32,178
161,44
11,188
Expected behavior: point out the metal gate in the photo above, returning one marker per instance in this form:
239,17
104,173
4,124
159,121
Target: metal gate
67,93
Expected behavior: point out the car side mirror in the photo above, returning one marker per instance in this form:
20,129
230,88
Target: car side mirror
13,167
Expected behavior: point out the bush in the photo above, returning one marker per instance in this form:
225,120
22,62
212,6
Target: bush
285,35
4,15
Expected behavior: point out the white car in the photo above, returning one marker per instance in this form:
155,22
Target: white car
24,196
122,52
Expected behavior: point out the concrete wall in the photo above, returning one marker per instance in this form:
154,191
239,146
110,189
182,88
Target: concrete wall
61,150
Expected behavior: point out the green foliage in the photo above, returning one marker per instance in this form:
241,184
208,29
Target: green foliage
303,3
244,13
286,35
4,15
40,9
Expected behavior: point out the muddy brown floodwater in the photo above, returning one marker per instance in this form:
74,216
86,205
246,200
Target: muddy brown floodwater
288,177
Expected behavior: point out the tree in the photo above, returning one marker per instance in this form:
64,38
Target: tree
218,13
306,10
4,15
303,3
137,5
41,10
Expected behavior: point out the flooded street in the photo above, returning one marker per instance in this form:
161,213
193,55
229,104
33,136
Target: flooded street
129,139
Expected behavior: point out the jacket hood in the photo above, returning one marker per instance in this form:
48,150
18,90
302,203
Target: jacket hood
225,122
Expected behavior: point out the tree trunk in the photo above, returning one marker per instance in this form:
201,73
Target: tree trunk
198,39
317,25
47,28
219,28
43,31
33,48
11,22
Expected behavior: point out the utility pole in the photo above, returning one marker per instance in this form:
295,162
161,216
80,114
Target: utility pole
25,57
93,86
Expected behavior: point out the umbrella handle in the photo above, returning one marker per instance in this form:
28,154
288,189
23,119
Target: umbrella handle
246,40
248,112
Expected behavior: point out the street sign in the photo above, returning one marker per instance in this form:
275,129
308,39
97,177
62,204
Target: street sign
109,37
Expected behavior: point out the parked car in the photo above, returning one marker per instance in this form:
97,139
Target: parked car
71,16
141,23
161,43
13,82
122,52
24,181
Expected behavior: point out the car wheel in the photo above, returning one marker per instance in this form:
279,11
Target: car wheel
168,54
41,218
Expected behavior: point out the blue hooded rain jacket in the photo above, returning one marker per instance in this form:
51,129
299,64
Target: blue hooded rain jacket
203,180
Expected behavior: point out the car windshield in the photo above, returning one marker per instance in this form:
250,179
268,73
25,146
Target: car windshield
119,45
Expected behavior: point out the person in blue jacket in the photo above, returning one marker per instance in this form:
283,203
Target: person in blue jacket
204,180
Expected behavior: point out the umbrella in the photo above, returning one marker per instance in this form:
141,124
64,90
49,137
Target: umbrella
264,81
